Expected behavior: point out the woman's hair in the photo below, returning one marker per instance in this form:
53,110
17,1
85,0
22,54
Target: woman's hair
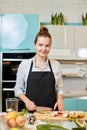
43,33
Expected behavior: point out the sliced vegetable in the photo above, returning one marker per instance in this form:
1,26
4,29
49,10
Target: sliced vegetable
24,112
80,123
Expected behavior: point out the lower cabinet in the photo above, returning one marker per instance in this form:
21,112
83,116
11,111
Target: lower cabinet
82,105
70,104
75,104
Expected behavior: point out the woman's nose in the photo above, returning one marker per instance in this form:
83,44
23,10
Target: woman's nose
44,48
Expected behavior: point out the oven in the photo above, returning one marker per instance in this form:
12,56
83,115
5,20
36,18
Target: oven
10,63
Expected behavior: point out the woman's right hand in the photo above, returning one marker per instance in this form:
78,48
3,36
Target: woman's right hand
30,105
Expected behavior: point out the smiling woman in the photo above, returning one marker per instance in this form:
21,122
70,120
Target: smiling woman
39,79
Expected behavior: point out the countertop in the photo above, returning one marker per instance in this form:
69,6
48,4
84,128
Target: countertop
65,124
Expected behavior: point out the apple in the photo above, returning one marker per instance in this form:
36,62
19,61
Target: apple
20,121
11,123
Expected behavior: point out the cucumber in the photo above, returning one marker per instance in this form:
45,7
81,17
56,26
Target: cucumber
50,127
79,128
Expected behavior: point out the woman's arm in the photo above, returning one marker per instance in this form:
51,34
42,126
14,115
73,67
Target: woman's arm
58,86
30,105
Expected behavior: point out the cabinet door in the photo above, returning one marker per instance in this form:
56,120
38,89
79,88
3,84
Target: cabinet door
70,104
62,40
82,105
81,41
19,31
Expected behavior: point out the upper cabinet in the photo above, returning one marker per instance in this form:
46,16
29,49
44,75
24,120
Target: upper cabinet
68,42
18,31
81,41
62,41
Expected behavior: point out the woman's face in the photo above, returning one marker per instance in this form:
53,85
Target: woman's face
43,46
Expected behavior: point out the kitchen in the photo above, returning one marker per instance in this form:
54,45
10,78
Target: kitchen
72,11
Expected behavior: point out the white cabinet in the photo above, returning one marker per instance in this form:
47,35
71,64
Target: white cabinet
81,41
62,41
67,41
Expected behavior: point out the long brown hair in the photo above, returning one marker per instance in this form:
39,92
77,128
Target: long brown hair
43,33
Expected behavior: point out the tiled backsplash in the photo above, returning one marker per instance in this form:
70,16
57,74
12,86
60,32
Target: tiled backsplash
72,9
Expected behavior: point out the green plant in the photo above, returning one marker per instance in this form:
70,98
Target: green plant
57,19
84,19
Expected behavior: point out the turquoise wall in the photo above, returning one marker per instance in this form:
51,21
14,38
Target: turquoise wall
0,34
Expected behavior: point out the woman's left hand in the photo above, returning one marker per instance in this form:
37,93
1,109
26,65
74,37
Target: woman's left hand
60,105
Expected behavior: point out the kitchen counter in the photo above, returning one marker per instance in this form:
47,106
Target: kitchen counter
65,124
75,93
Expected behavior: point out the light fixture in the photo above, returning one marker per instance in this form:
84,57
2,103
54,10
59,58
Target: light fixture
82,52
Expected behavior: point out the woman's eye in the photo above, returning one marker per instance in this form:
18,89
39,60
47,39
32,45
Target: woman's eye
40,45
47,45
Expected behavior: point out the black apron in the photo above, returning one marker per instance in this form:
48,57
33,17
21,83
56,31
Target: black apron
41,87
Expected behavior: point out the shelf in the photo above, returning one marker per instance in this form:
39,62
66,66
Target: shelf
73,75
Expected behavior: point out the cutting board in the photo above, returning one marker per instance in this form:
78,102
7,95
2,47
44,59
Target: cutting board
49,116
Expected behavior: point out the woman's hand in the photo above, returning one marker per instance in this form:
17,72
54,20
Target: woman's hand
30,105
60,105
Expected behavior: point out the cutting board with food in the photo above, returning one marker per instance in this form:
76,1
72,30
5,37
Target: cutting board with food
60,116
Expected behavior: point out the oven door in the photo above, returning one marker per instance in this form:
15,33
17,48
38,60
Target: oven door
10,70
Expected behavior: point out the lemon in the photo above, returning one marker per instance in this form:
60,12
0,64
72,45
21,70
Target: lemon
10,115
14,128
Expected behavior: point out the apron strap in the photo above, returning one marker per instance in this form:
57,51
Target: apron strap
50,65
31,66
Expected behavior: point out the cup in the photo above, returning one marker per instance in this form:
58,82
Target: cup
12,104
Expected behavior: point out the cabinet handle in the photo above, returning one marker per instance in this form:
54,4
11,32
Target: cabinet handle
19,49
8,89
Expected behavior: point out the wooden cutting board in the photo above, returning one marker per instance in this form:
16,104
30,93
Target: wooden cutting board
45,115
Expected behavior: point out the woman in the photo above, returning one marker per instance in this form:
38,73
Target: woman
39,79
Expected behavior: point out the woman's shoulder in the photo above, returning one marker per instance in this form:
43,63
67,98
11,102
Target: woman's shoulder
54,62
56,66
26,62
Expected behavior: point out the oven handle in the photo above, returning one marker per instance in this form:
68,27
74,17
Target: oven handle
8,89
